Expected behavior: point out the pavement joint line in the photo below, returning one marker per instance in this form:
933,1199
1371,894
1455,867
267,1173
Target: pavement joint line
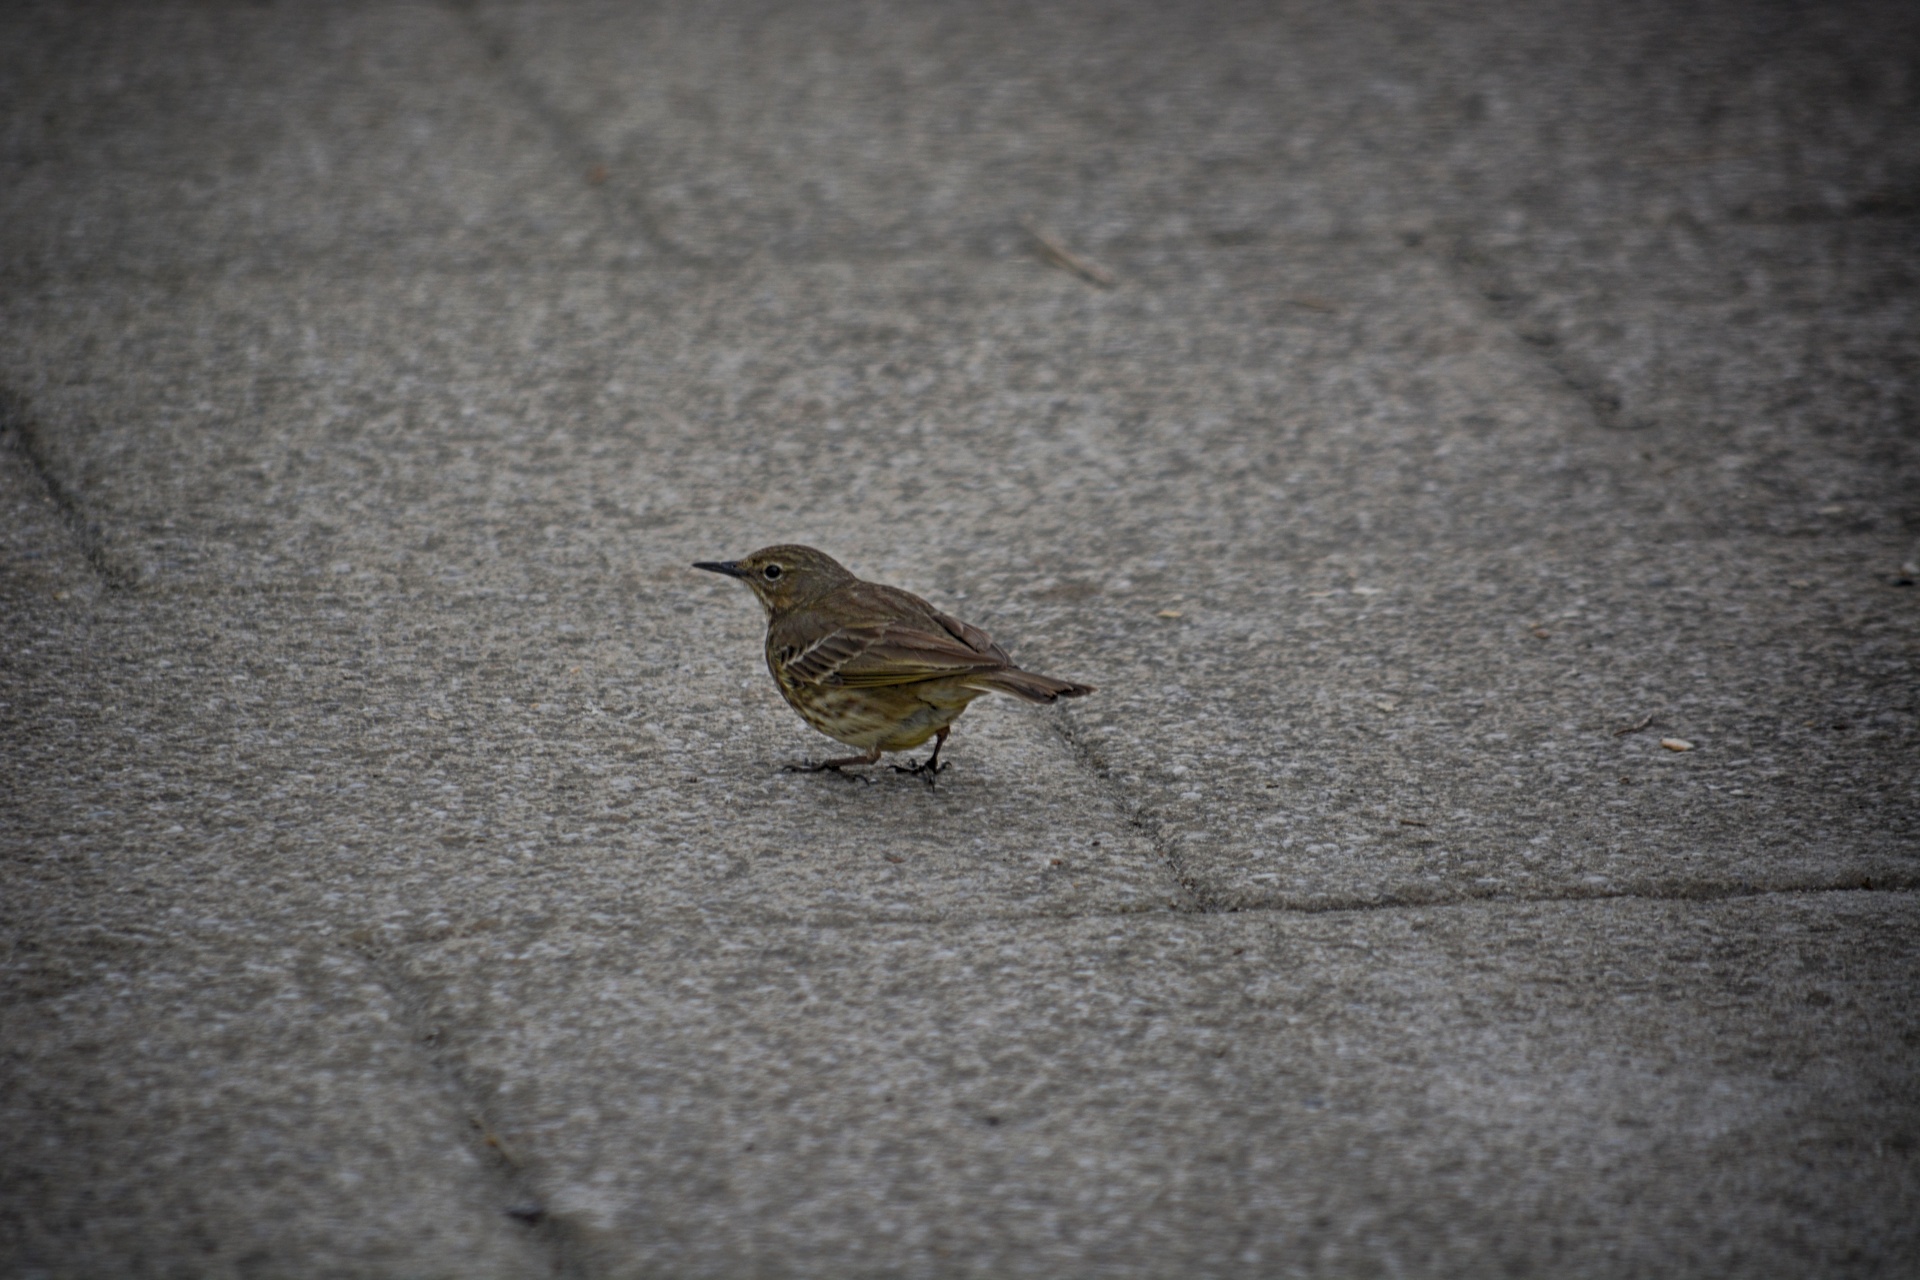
19,427
296,265
1199,901
1277,910
301,266
1701,894
380,952
1205,902
522,1200
498,52
1496,295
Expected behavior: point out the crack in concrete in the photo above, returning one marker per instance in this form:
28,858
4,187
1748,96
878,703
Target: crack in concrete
592,168
521,1200
18,425
1909,884
1502,300
1199,899
1205,901
1905,883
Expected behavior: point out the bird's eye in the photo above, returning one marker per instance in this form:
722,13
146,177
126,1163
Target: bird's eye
771,572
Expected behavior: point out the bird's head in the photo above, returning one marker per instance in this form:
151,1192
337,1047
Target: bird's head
783,576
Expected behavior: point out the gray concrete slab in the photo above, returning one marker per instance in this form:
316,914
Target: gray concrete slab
1555,1088
1754,357
1479,382
166,141
851,129
1319,494
1001,412
185,1099
410,788
1304,743
189,1084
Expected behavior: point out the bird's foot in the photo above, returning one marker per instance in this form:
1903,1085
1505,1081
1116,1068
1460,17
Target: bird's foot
930,769
834,767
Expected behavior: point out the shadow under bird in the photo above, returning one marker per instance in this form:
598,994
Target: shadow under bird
873,666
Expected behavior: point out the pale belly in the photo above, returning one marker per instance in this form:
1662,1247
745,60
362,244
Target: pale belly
898,719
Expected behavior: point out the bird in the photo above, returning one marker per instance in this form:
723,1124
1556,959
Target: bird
870,665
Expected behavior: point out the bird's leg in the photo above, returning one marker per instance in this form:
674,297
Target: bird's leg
872,757
930,767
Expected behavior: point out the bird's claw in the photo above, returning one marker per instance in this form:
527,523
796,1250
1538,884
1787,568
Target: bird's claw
808,766
925,769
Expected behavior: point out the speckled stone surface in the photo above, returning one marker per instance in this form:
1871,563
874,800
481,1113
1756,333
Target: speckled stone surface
1484,502
1432,1090
188,1095
1295,735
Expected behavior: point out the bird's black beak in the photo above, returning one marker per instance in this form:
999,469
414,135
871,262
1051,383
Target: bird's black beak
729,567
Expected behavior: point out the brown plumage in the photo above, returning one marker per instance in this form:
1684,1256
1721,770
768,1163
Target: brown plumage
873,666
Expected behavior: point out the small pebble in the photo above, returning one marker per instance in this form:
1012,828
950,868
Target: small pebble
1676,744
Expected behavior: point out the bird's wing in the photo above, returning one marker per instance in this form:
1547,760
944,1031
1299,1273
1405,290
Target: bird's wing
968,634
867,654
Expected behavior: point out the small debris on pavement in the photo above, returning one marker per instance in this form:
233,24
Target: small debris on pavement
1169,613
492,1139
1676,744
1637,725
1055,251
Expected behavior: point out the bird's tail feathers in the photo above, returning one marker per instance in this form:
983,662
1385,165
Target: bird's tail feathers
1025,684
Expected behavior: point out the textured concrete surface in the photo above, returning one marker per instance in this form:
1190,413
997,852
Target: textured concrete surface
1271,1092
400,879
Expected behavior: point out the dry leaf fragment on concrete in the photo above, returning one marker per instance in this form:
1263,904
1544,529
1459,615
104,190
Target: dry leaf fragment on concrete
1055,251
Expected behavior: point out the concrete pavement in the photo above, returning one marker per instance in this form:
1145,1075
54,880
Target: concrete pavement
399,875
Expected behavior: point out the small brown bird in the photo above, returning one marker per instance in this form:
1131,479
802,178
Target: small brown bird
873,666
